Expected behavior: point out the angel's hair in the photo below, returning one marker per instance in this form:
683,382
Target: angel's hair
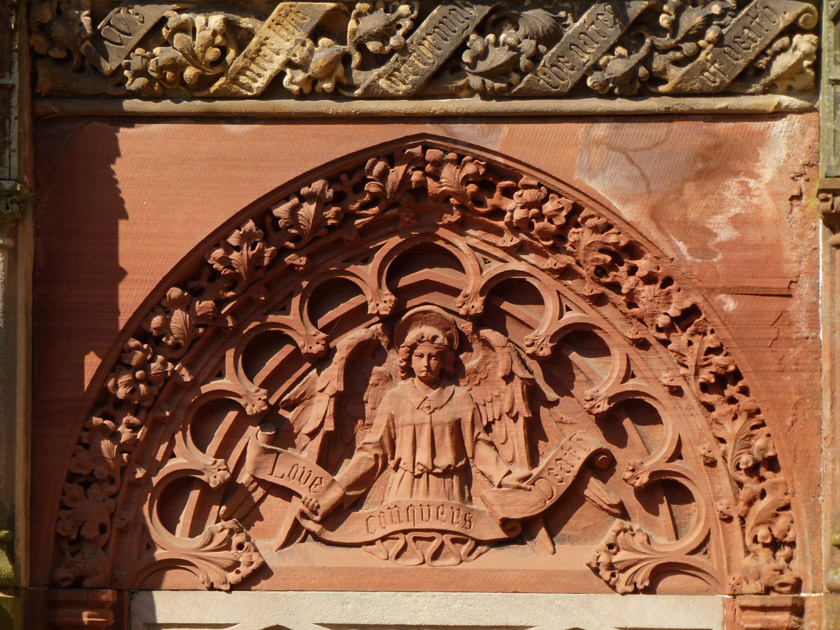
425,334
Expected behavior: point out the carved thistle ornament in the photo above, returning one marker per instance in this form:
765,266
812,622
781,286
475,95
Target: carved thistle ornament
398,49
423,358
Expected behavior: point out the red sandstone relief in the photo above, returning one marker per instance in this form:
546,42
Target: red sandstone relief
433,357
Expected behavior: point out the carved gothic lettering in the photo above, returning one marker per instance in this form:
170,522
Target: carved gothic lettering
749,34
406,48
589,38
271,48
447,27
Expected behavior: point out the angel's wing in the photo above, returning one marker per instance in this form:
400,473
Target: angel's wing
312,404
500,382
382,379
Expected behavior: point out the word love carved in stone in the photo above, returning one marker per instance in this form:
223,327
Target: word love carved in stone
406,48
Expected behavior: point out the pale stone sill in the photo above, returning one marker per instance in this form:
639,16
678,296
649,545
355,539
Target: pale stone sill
761,104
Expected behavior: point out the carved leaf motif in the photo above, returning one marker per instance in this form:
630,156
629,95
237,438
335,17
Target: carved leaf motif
240,259
102,451
304,219
89,513
179,319
452,178
387,184
200,46
59,27
627,558
223,555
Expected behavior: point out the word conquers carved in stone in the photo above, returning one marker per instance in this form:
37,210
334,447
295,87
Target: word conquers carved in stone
428,355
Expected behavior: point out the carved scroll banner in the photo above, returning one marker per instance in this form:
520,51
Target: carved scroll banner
269,51
366,526
506,505
742,41
372,51
428,47
549,481
285,468
582,46
121,31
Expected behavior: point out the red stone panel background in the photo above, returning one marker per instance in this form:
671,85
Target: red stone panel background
121,204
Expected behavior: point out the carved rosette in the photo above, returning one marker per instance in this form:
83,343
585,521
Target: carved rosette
405,48
603,320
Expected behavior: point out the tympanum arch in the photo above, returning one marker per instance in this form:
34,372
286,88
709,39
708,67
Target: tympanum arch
698,503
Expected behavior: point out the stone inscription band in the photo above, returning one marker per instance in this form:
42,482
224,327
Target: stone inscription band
542,489
396,49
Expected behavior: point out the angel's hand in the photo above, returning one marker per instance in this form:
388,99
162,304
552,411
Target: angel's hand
325,503
312,505
517,479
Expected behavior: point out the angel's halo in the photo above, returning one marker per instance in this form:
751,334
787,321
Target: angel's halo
430,316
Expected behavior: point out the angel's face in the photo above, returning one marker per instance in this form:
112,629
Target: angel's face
427,362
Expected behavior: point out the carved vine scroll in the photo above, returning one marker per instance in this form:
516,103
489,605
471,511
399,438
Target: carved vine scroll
429,356
407,48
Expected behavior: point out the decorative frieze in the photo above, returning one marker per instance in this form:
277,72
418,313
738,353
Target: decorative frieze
398,49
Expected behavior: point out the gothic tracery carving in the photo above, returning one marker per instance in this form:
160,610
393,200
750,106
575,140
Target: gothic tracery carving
367,397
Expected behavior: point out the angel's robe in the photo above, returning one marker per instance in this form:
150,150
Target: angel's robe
429,441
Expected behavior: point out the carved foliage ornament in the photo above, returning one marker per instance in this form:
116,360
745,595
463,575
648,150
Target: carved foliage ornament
405,48
430,357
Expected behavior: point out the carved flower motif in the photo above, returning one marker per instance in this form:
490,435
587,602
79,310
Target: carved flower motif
315,66
178,319
451,177
380,26
141,376
59,28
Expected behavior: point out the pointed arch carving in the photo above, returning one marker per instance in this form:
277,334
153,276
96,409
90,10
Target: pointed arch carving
596,379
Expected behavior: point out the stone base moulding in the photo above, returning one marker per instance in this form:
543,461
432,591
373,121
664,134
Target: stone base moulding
89,609
422,611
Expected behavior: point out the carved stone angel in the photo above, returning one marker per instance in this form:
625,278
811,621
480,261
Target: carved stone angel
442,455
426,429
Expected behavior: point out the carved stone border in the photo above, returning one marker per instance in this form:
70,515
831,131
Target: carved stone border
406,57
